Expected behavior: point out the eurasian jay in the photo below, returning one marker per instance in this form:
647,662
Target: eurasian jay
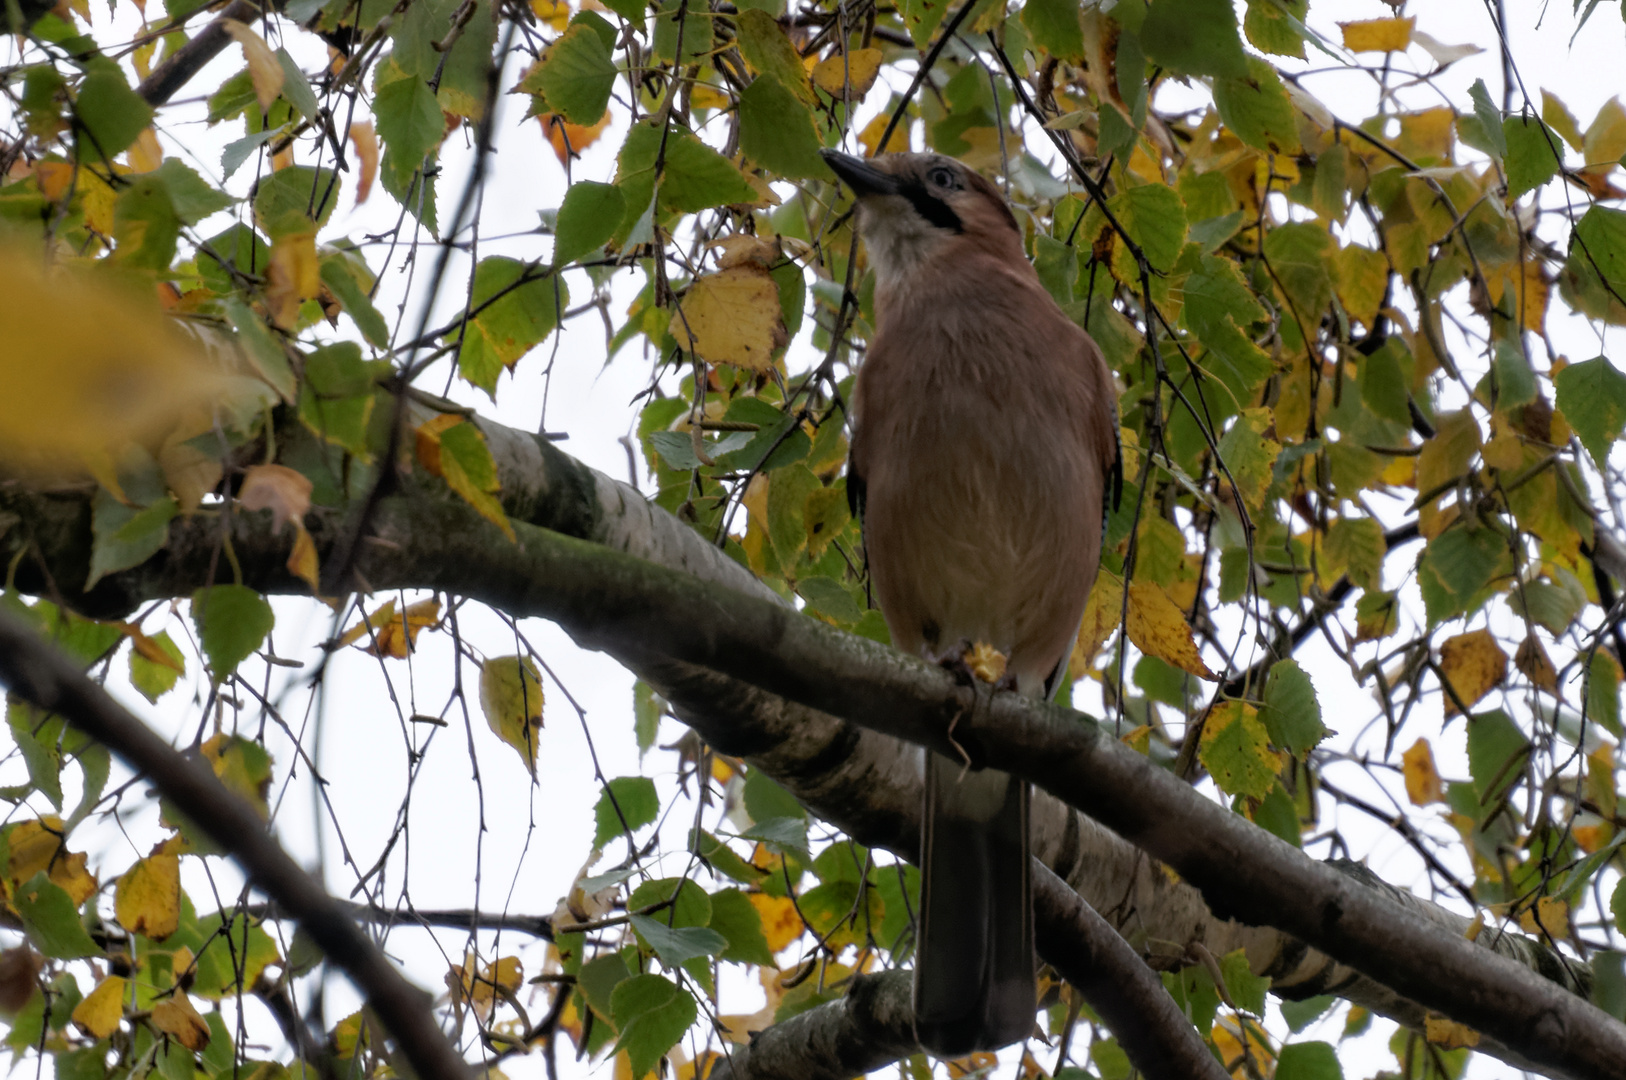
984,433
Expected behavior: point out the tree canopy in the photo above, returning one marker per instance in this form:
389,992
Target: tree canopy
274,280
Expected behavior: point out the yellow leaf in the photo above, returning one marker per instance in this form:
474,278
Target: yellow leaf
511,698
397,636
1377,35
852,74
554,13
985,662
1531,659
302,560
1558,117
369,624
243,766
1102,614
482,990
365,140
870,137
428,440
98,1015
1423,784
732,317
1550,916
1528,304
176,1017
263,66
1159,629
189,472
1591,838
40,845
980,1063
1472,664
279,489
88,365
145,154
292,277
700,1067
567,139
148,898
1605,140
1235,749
781,925
1449,1034
1359,276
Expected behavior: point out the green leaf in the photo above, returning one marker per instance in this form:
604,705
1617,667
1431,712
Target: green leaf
1603,692
788,490
1301,1014
1275,26
1277,815
1218,303
1532,157
1592,396
1490,120
1290,711
647,709
1194,37
1460,563
777,133
1301,254
738,921
652,1013
232,621
1155,218
51,921
1617,905
295,200
1608,982
679,945
152,678
765,799
695,177
598,979
1495,748
780,834
111,113
1594,278
126,536
1384,385
1357,544
145,225
1256,108
191,196
410,124
520,313
576,76
297,89
460,72
587,219
767,49
921,18
468,468
687,904
338,274
1054,27
1246,988
1515,382
1308,1061
1249,456
1236,752
36,736
230,956
626,804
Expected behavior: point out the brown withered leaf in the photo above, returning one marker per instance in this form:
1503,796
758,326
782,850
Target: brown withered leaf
1531,659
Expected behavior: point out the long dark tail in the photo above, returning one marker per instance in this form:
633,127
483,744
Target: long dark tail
974,966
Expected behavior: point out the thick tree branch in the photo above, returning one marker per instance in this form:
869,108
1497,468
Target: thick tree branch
540,484
40,674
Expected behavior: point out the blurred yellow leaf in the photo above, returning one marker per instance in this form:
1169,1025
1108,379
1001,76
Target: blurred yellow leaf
1377,35
1550,916
781,925
1449,1034
1605,139
732,317
279,489
365,139
1472,663
870,137
481,989
263,66
853,73
1158,628
39,845
569,140
554,13
985,662
73,385
302,560
98,1015
147,900
511,698
145,154
1423,784
176,1017
1531,659
292,277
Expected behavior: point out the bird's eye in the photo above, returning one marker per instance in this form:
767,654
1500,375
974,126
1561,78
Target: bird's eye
943,177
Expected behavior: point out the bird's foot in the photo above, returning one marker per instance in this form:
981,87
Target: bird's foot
956,660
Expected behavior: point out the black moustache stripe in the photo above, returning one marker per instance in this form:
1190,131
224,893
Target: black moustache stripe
930,207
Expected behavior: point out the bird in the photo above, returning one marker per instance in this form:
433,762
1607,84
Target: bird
984,445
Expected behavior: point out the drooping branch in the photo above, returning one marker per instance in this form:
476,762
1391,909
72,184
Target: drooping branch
41,675
428,541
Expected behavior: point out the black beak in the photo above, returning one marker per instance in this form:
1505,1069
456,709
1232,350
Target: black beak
860,175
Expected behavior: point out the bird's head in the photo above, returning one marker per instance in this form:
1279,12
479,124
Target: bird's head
914,208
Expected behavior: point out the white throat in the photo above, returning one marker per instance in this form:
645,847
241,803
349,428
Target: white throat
897,239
